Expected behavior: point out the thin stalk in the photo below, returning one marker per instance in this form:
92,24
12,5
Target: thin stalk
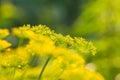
44,66
13,74
23,74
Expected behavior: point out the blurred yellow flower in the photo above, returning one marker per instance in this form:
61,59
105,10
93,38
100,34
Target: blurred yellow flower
4,33
4,44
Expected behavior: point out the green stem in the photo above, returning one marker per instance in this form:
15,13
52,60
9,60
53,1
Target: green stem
44,66
13,74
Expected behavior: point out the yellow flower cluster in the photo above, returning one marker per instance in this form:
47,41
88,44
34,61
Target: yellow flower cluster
41,54
3,43
3,33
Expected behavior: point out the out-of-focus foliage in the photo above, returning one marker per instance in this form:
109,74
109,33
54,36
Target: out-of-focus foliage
41,54
57,14
102,15
100,22
8,14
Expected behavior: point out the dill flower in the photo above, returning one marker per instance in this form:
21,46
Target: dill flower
46,55
4,44
80,74
40,45
15,58
4,33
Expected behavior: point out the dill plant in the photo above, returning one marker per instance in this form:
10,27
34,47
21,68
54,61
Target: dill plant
42,54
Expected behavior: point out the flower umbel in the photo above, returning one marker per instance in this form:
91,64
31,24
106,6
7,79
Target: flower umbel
42,54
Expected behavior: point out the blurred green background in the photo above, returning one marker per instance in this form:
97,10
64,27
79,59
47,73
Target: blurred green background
95,20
